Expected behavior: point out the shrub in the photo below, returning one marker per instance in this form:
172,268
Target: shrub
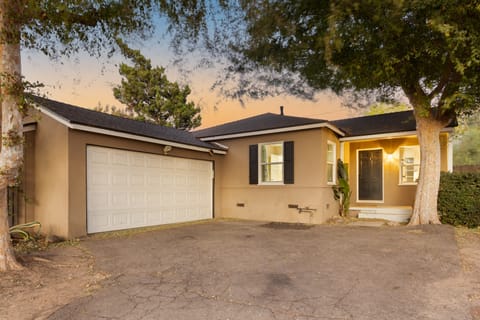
459,199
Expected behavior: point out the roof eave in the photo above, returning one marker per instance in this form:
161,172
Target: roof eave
120,134
387,135
272,131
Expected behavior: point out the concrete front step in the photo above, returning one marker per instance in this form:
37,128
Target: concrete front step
397,214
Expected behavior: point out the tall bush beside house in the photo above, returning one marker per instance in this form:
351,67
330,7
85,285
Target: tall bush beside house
458,199
342,192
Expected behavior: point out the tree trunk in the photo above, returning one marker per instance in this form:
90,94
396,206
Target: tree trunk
11,154
7,257
425,208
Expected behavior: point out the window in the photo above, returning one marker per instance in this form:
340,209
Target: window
271,162
409,164
331,150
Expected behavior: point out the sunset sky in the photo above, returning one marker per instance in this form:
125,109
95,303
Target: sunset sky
86,81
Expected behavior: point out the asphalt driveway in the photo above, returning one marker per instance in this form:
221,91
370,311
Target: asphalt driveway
251,270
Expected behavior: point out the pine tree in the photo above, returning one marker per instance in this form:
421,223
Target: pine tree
147,92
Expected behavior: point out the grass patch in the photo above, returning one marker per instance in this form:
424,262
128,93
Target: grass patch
464,233
40,243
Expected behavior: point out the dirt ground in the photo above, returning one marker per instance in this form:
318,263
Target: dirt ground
468,242
55,277
51,278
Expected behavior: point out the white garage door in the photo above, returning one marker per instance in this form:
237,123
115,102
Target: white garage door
128,189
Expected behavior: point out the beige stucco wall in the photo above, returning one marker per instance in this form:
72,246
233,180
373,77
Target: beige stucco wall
51,177
78,141
270,202
394,193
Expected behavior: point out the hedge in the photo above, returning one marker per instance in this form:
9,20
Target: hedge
459,199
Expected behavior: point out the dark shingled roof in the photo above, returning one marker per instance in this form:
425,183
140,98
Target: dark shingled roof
266,121
377,124
101,120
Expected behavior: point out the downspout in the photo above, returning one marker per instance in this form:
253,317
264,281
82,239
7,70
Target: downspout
342,151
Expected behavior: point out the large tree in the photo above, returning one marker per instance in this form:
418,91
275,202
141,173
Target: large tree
56,28
150,96
425,50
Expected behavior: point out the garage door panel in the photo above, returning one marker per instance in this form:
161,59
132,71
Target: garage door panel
168,163
120,219
153,162
137,200
119,158
98,200
100,220
162,215
99,156
137,160
118,199
119,179
155,180
128,189
137,179
138,218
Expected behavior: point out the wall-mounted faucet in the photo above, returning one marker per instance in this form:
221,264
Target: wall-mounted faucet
302,210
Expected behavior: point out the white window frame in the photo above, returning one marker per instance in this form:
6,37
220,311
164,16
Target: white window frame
401,165
260,163
334,163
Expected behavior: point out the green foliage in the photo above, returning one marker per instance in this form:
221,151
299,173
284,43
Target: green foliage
147,92
114,111
58,27
382,108
466,151
427,50
466,144
458,199
342,191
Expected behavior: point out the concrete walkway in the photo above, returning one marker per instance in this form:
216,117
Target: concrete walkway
250,270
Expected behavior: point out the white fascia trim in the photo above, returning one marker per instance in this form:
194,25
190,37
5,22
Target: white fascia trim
53,115
387,135
342,151
278,130
380,136
141,138
221,145
125,135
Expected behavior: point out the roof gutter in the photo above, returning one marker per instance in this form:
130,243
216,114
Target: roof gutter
271,131
387,135
119,134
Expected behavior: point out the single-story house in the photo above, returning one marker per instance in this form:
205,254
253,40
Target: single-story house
88,172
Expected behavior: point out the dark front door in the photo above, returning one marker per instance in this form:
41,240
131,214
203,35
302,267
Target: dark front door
370,175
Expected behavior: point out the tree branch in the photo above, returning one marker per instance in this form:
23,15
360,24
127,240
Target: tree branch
443,80
415,94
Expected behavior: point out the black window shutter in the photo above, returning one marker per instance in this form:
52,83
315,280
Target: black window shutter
253,169
288,162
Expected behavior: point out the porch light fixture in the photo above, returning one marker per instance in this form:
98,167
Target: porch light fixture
167,149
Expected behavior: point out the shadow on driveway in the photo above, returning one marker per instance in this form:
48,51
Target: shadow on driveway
247,270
